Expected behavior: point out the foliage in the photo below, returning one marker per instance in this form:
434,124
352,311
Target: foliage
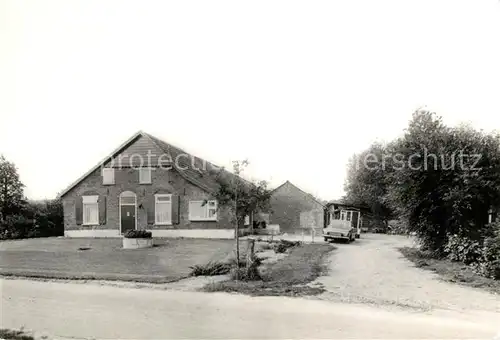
240,196
441,181
247,271
9,334
463,249
11,189
35,219
210,269
283,245
451,271
48,217
288,277
138,234
246,274
366,183
20,218
489,266
16,227
398,227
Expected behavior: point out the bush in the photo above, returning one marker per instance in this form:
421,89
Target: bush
138,234
16,227
35,219
247,274
463,249
9,334
283,245
490,261
484,257
210,269
399,227
490,267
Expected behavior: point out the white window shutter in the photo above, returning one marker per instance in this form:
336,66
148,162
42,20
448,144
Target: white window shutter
145,175
108,176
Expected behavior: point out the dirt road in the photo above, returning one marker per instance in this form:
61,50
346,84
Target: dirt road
76,311
372,270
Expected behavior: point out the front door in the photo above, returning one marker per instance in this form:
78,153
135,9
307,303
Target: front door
127,218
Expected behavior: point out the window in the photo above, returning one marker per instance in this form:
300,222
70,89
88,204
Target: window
247,220
203,212
90,210
145,175
342,215
108,176
348,218
163,209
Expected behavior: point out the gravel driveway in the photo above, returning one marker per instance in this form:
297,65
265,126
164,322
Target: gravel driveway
372,270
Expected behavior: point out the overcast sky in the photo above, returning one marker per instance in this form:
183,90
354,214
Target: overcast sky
294,86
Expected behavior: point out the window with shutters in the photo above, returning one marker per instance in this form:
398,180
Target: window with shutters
203,210
90,210
145,176
163,209
108,176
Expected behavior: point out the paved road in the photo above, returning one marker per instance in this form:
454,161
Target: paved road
372,270
64,310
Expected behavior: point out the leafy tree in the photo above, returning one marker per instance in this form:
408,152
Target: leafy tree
366,183
241,197
440,180
444,180
11,189
20,218
47,216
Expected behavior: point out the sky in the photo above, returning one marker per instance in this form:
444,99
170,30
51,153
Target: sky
295,87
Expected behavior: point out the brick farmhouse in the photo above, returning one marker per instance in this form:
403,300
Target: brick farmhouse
148,184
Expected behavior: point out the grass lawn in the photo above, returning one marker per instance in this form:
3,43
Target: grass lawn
287,277
170,259
451,271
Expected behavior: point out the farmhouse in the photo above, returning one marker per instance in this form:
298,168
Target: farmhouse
149,184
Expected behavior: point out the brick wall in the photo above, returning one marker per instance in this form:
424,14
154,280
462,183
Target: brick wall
127,179
287,203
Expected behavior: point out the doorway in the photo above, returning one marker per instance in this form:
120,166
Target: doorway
128,211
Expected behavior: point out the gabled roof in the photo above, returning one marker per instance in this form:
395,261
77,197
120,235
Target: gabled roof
198,171
343,204
194,169
306,193
336,202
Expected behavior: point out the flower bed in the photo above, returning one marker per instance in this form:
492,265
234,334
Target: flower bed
135,239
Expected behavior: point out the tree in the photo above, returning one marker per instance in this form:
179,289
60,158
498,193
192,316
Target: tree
450,178
11,189
366,183
240,197
440,180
